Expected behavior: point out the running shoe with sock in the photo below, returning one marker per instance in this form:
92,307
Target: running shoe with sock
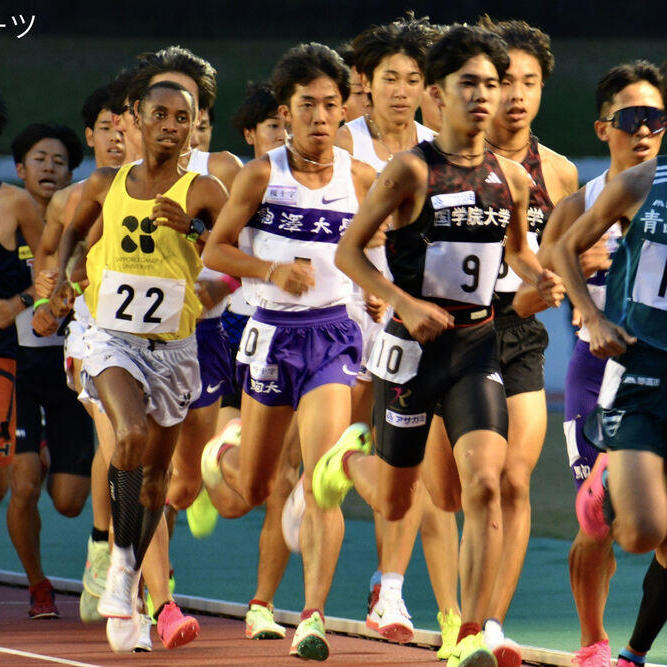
594,655
230,436
390,618
450,624
175,629
98,559
590,501
627,658
310,642
122,586
42,601
472,651
202,516
292,517
507,651
260,624
330,483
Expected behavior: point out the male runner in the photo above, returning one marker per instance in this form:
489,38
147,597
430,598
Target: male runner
20,228
450,218
592,562
141,359
627,490
45,156
521,342
300,352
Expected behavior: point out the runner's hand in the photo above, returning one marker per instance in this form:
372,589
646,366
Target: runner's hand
294,277
424,321
43,321
375,307
168,213
45,282
608,339
596,258
551,288
62,299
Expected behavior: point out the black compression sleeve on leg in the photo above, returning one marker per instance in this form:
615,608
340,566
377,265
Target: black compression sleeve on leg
148,521
124,489
652,610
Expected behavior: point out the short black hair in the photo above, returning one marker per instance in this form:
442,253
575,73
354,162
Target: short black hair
458,45
169,85
259,104
305,63
521,36
94,104
211,115
35,132
623,75
406,35
175,59
346,52
119,89
4,116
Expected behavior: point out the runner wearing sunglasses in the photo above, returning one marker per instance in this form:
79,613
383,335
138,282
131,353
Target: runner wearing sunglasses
630,107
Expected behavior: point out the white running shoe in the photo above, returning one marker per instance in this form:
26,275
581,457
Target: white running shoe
144,643
390,617
127,635
210,458
506,651
120,592
292,517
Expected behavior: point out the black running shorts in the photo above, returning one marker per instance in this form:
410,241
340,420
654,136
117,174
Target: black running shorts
459,372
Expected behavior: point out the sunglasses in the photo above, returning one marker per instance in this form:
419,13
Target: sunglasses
631,119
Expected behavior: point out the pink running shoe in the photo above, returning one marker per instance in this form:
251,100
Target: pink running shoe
174,628
590,501
595,655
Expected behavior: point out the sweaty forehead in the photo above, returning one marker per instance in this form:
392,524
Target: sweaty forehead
176,99
638,94
178,77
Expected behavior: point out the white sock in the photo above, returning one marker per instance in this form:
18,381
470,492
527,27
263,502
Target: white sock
391,581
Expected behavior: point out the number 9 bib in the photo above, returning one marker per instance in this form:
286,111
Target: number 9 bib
461,271
139,304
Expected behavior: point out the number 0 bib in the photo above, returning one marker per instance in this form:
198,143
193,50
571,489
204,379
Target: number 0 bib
140,304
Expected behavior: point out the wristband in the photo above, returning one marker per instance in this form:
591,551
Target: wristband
77,288
38,303
271,269
232,283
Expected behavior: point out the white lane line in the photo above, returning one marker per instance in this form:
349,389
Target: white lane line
45,658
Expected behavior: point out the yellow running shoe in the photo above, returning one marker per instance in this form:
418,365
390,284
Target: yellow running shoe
202,516
330,483
260,624
450,624
471,651
309,640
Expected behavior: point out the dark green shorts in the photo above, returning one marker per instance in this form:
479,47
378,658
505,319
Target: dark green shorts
632,409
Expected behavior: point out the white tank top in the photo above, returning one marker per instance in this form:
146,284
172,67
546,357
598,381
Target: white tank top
596,285
293,222
199,162
363,149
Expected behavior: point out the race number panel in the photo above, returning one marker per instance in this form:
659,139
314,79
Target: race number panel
652,262
508,281
394,359
140,304
255,342
461,271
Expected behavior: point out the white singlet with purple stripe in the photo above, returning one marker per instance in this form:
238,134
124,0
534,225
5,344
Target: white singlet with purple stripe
596,283
297,223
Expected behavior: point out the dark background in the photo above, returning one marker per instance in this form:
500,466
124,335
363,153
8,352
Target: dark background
73,48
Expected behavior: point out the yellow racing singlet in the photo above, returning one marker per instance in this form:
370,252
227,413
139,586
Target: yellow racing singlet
141,276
